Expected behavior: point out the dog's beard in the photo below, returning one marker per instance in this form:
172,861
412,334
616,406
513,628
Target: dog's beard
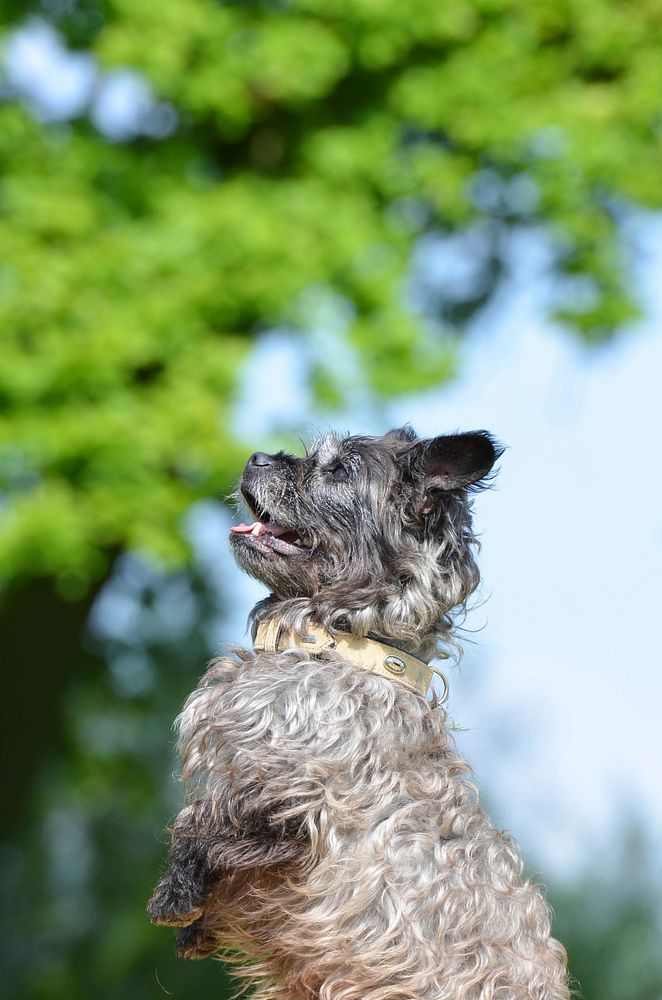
296,546
270,559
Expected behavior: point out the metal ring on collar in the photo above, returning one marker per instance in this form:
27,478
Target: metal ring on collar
444,696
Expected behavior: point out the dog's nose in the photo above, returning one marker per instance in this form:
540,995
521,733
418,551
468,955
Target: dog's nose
260,458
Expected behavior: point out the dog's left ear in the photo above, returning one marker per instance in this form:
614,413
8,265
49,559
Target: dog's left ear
454,461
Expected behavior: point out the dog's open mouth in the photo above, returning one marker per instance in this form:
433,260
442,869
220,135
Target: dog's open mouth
268,535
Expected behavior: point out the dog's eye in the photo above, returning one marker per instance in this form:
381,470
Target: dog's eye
340,473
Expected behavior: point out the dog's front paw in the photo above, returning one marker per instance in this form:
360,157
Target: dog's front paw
195,941
175,901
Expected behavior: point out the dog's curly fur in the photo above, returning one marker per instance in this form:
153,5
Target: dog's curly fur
332,842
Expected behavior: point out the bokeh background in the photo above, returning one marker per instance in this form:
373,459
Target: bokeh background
223,224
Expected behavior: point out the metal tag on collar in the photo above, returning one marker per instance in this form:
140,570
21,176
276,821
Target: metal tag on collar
395,665
317,637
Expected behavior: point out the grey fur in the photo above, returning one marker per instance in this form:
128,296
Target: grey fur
332,843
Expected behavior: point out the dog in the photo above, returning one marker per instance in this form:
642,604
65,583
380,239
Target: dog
332,843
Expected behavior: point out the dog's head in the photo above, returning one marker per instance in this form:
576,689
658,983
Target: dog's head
367,534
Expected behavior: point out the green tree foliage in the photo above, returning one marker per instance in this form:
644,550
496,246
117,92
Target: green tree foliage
611,922
295,151
75,880
315,142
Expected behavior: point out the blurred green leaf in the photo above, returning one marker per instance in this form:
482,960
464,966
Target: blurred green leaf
313,144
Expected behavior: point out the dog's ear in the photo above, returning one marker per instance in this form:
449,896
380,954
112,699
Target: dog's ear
452,462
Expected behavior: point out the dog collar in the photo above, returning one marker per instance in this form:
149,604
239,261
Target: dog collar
369,654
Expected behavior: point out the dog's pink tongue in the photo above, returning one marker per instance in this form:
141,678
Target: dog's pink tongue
258,527
248,529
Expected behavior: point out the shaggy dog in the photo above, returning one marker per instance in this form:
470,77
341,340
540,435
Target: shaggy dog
332,843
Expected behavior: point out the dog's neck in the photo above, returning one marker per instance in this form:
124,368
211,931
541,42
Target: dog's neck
273,635
296,612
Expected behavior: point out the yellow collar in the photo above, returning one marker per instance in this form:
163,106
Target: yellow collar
368,654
